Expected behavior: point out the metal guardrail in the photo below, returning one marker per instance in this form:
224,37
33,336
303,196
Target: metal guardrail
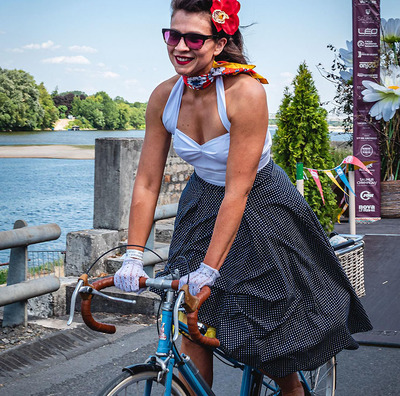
18,290
45,262
163,212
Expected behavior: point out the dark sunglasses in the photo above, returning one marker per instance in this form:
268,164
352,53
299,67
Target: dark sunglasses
193,40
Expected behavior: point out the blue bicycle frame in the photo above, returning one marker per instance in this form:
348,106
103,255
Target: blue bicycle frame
167,357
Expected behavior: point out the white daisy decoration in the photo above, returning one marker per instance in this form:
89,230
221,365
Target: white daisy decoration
386,95
390,30
346,75
346,55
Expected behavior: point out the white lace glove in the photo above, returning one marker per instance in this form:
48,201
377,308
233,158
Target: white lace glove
127,277
203,276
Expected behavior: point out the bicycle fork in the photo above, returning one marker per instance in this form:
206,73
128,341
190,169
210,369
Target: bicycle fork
167,356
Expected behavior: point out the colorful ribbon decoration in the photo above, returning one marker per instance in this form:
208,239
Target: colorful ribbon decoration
355,161
338,169
315,176
329,174
343,210
342,176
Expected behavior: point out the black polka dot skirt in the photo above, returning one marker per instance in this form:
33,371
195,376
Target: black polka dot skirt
283,302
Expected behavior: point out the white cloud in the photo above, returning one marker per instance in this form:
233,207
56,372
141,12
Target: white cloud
131,82
83,49
108,74
75,70
80,60
47,45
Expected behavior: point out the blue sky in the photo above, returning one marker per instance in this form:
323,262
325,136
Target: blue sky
116,46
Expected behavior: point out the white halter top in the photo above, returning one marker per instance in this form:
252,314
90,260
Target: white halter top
209,159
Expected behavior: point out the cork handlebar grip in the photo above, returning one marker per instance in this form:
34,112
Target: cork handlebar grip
86,305
192,319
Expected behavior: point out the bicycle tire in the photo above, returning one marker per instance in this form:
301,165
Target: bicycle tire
134,384
322,381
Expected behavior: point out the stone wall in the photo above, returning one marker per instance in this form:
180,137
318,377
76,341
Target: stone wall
176,174
116,162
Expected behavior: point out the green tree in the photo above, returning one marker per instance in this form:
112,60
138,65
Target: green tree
62,110
137,115
50,115
20,108
55,92
109,109
66,99
89,109
303,136
124,111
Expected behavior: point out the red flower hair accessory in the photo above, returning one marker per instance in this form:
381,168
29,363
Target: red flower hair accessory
224,15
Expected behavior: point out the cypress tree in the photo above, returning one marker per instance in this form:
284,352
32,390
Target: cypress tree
303,136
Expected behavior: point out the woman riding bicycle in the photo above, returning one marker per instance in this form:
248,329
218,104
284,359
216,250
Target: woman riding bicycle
280,300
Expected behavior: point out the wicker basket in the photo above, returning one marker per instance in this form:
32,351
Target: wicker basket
352,260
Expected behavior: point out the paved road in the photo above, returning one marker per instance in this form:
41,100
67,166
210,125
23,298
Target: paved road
67,367
365,372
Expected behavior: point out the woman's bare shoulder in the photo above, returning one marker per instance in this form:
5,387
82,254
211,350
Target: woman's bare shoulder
244,92
161,93
243,85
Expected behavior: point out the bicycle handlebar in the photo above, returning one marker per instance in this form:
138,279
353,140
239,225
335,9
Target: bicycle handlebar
192,305
86,305
192,318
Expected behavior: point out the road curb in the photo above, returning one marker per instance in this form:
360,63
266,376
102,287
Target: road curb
64,345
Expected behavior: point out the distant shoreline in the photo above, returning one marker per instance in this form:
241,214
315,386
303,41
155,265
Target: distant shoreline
54,151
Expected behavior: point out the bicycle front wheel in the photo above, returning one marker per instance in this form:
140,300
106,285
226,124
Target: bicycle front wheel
142,383
322,381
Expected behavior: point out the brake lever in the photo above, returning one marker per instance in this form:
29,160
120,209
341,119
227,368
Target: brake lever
178,303
91,290
73,302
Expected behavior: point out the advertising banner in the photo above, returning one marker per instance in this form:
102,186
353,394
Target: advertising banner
366,44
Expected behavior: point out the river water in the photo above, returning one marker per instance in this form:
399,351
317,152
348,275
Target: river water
42,191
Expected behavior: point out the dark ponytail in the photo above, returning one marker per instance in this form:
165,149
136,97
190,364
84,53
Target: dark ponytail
234,48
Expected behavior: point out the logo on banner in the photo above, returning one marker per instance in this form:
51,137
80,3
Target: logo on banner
367,150
366,208
361,54
368,32
367,44
367,75
367,181
366,195
367,1
366,19
368,65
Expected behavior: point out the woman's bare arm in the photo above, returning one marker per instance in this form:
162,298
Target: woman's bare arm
151,168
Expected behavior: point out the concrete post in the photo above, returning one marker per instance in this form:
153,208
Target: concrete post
116,162
16,313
